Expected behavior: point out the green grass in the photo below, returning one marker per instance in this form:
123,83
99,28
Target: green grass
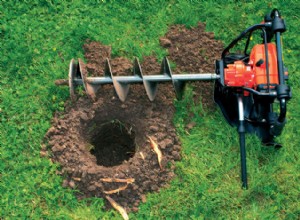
38,39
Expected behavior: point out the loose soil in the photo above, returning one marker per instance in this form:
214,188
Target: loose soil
109,139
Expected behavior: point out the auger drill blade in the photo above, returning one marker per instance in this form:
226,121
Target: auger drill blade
179,88
107,70
73,72
165,67
121,88
89,86
150,87
137,70
177,84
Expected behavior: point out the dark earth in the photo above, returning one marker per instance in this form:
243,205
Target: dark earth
106,138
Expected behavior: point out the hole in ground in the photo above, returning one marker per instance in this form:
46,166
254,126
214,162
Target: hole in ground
113,143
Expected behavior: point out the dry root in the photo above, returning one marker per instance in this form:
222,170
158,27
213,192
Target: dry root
116,190
115,180
119,208
156,149
142,155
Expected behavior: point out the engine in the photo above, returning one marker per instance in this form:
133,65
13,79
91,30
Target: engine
254,73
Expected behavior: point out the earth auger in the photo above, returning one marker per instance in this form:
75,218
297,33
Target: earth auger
248,84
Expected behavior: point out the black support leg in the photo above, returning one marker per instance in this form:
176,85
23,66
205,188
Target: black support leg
241,131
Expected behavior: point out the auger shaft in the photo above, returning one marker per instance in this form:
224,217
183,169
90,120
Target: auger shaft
150,78
78,76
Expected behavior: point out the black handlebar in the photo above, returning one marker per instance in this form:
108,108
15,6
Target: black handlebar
273,23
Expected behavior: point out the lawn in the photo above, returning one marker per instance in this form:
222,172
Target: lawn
39,38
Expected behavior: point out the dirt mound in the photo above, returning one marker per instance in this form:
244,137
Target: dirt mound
93,141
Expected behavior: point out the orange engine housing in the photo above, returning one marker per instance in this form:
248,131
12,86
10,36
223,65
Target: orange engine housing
254,72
